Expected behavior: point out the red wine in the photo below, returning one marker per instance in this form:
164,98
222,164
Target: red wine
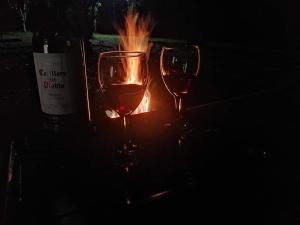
177,85
124,98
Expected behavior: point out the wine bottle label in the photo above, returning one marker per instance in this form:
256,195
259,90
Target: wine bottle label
56,83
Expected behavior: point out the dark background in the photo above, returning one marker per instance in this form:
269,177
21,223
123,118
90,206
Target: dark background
257,21
248,151
224,21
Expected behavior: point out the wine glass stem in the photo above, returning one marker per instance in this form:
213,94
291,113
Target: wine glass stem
180,120
178,103
128,156
126,136
183,130
128,148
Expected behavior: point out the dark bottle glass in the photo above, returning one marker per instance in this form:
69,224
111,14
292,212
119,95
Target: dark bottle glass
60,66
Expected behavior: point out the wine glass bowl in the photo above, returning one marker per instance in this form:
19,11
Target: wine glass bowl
123,78
178,66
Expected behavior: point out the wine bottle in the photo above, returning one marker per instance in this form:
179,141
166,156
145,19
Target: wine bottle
60,66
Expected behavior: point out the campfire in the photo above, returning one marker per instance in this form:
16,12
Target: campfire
134,36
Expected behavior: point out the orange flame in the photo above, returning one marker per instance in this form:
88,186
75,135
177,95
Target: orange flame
135,37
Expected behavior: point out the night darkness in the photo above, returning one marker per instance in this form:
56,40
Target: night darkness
239,159
259,22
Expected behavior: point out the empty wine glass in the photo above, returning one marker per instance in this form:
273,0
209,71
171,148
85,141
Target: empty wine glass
179,66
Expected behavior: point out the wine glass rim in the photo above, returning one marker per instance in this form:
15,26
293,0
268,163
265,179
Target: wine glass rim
122,54
181,47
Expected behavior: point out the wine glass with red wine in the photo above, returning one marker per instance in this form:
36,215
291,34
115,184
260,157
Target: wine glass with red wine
179,66
123,78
